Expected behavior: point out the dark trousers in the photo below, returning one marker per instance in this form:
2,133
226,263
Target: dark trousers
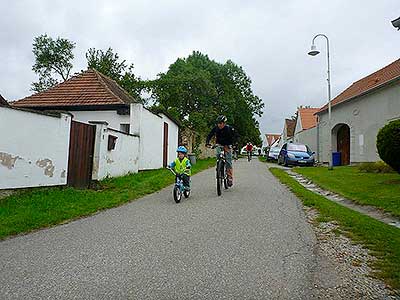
186,180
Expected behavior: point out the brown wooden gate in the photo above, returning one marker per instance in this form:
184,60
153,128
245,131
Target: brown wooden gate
81,148
165,146
343,143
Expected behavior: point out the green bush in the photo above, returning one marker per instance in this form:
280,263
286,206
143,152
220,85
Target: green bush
375,167
388,144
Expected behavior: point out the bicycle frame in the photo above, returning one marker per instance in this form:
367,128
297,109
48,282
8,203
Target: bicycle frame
221,177
178,180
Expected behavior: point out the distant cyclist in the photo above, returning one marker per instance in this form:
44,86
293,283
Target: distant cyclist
249,149
226,136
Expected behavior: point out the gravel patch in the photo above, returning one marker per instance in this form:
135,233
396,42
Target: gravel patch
347,263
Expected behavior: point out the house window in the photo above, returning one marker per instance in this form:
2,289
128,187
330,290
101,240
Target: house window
112,140
124,128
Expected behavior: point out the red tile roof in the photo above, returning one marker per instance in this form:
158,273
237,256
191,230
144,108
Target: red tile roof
271,138
3,102
368,83
89,88
307,117
290,127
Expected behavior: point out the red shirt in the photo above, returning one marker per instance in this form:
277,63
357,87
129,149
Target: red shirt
249,147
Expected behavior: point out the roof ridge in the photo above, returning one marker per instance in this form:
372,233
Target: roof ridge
98,75
385,75
374,73
102,77
75,76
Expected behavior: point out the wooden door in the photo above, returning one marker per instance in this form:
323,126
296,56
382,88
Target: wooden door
165,145
343,144
81,148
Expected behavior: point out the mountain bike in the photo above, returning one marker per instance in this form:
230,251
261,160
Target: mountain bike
248,155
221,176
179,188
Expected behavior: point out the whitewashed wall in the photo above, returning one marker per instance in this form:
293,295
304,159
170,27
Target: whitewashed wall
149,127
123,159
33,149
307,137
113,119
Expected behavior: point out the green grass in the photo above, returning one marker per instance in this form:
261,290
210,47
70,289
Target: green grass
383,240
37,208
376,189
262,158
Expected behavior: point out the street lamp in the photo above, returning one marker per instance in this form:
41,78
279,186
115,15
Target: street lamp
314,52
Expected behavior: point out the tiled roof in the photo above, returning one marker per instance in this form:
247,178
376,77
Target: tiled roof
368,83
290,127
89,88
308,118
271,138
3,102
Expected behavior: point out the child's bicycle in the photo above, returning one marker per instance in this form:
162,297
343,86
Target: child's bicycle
179,188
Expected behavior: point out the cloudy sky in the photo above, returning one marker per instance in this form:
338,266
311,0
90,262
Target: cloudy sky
270,39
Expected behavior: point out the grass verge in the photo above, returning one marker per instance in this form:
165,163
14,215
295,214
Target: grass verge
379,190
383,240
38,208
262,158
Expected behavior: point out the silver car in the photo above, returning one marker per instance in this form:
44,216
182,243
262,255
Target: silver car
273,153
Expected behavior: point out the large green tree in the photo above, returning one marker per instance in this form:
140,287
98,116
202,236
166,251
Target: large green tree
197,89
108,63
53,61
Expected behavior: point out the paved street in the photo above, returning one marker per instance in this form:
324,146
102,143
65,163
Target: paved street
251,243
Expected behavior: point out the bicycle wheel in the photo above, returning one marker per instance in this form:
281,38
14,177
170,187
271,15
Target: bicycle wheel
226,186
177,194
219,177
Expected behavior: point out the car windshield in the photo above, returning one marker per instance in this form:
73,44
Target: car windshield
274,150
300,148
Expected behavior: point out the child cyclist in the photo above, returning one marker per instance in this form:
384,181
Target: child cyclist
181,165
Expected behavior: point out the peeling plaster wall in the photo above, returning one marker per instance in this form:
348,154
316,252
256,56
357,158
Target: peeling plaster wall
33,149
120,161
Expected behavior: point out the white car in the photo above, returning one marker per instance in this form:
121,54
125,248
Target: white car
254,152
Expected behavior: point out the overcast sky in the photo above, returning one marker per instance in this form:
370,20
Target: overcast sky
270,39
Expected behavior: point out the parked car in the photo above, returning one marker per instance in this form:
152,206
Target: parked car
273,154
296,154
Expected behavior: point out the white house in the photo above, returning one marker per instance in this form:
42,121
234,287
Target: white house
92,97
288,131
357,115
306,127
272,140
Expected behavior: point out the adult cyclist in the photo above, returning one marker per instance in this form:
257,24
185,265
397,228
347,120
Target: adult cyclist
249,149
225,136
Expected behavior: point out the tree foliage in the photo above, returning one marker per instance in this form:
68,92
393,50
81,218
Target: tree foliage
197,89
388,144
53,61
108,63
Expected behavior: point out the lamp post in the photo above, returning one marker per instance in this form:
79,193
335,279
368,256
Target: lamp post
314,52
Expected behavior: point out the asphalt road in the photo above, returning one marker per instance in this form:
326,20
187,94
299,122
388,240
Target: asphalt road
251,243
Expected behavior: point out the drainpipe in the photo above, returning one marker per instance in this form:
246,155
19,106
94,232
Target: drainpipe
318,158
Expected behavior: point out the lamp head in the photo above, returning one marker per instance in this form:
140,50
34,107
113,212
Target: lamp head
396,23
313,51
